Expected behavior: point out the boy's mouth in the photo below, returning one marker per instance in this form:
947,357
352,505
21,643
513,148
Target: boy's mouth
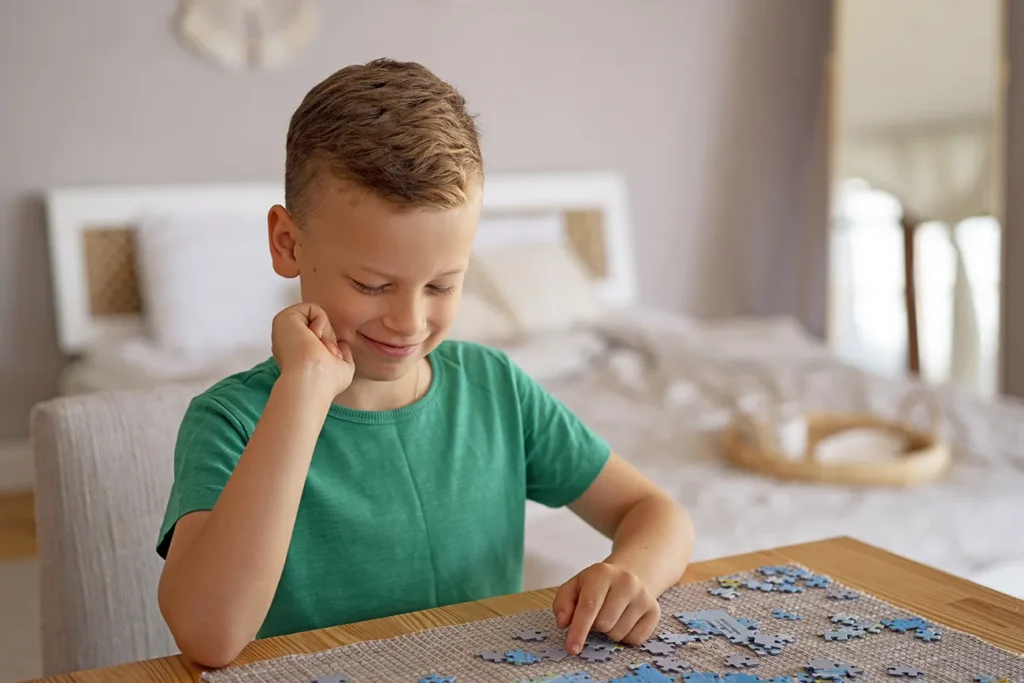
391,350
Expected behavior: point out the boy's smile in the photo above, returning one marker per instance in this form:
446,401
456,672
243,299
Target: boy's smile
389,278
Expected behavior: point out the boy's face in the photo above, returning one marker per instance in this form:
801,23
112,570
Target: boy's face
388,279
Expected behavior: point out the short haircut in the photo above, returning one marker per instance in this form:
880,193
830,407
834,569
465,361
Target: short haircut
390,127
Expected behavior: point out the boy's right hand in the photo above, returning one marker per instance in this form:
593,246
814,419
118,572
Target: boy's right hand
304,345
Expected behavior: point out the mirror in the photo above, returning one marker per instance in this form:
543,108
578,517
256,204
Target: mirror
915,235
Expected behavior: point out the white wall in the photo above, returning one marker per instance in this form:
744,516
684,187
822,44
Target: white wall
714,110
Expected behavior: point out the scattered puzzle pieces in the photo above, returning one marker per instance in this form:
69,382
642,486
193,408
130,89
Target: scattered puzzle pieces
844,619
818,582
596,654
905,671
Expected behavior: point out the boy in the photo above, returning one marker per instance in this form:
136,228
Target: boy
368,467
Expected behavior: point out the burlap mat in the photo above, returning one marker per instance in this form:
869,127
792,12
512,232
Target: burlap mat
452,650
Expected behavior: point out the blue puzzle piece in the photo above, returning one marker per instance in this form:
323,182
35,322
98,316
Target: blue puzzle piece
702,677
519,657
904,625
817,582
648,674
574,677
435,678
790,588
756,585
783,614
779,679
741,678
749,623
772,570
928,635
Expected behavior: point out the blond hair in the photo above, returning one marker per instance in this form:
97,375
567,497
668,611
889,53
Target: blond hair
393,128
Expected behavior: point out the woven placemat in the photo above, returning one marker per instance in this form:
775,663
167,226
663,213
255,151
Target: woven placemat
955,657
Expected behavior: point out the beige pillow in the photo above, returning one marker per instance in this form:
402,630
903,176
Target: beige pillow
543,287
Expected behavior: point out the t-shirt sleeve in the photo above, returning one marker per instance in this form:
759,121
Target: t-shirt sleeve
563,455
209,444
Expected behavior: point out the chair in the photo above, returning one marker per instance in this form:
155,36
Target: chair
104,466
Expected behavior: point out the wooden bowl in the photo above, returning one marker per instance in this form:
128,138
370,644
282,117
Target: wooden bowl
750,444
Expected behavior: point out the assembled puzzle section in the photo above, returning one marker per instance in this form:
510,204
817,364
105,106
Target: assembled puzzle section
778,624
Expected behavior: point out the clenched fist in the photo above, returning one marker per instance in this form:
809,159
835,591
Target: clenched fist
607,599
304,344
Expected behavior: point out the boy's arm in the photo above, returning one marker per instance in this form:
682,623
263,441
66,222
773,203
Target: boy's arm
223,566
652,539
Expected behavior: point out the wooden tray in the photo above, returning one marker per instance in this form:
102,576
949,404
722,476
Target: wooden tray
750,443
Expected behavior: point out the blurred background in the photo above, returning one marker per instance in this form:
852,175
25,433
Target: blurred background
823,183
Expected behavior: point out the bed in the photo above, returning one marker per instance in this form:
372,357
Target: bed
553,282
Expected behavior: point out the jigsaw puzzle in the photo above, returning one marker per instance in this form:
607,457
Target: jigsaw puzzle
699,640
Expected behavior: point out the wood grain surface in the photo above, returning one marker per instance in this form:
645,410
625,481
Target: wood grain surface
935,595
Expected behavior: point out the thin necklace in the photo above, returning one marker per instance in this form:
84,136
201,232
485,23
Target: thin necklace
416,386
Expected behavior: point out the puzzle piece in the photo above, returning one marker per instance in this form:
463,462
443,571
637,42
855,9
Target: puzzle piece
928,635
332,678
991,679
736,677
702,677
905,671
749,623
868,626
658,648
756,585
491,656
844,619
842,634
724,593
530,634
741,661
903,625
774,570
817,582
436,678
648,674
574,677
672,665
519,657
683,638
791,588
778,679
555,654
699,627
841,594
771,642
594,655
783,614
729,581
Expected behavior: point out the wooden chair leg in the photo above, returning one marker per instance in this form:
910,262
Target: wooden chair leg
909,226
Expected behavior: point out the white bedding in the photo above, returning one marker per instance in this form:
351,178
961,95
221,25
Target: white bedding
665,422
657,387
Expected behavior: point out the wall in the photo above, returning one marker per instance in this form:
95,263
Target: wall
713,110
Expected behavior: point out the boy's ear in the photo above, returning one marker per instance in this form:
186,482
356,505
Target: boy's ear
284,245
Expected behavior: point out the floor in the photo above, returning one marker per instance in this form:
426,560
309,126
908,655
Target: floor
19,589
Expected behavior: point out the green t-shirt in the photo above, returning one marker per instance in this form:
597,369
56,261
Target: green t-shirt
404,509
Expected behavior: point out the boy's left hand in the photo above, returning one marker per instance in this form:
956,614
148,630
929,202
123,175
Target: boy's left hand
608,599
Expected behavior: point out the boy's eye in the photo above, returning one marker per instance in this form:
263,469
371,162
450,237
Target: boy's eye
438,289
368,289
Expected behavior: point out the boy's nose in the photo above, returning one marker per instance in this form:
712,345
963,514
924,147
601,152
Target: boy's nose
406,318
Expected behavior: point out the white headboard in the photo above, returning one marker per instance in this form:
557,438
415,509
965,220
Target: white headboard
91,231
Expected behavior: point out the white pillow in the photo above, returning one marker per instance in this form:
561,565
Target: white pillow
543,286
207,281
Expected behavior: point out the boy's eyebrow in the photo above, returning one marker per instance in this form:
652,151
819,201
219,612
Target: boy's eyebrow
454,271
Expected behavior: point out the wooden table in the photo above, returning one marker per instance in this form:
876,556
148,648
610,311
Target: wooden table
935,595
